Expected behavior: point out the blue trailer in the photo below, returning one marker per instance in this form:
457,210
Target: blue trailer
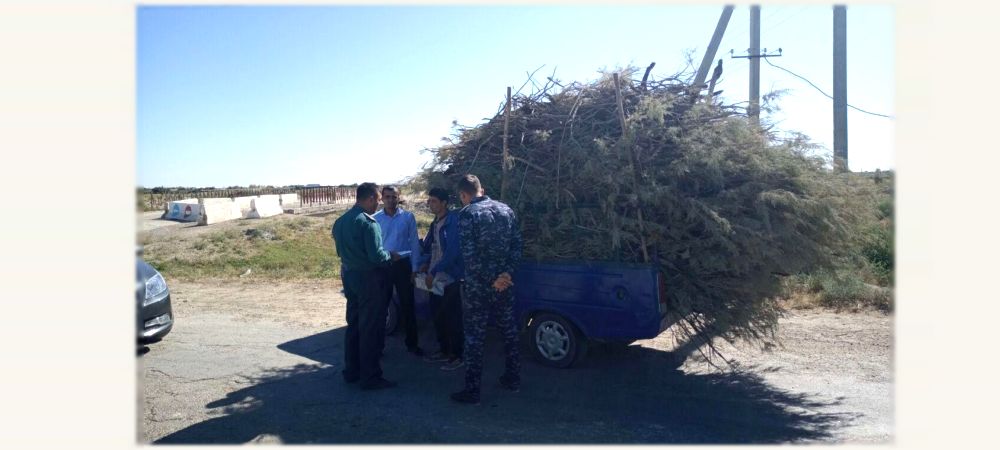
567,305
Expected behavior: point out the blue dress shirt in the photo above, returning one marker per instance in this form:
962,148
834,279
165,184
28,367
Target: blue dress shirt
399,234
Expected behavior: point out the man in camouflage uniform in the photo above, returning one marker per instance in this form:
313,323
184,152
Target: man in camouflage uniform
364,271
490,240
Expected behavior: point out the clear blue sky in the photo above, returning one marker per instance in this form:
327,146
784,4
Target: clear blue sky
342,94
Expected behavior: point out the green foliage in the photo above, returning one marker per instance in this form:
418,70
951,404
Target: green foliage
424,220
724,207
878,250
847,290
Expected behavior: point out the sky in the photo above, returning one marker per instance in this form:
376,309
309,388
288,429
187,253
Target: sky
240,95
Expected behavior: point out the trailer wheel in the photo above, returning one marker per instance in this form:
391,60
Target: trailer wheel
555,341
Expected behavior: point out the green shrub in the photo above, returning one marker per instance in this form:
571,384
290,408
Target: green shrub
878,250
848,290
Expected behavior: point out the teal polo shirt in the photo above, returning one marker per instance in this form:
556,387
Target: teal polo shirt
358,240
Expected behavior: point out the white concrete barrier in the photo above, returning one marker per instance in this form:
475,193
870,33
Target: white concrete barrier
215,200
289,199
269,197
245,204
184,210
265,206
215,210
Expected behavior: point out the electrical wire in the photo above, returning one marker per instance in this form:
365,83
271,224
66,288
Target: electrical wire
820,90
786,19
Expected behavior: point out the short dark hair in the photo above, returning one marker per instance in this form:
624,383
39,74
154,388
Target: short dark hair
440,194
389,188
366,190
470,184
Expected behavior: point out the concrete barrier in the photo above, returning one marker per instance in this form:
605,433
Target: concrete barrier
269,197
265,206
215,200
245,204
289,200
184,210
215,210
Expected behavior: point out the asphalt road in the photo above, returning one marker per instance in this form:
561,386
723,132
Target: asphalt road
236,374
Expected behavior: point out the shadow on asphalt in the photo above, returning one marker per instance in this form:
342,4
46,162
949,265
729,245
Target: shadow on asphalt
634,395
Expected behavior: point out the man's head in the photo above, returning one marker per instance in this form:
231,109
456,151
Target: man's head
368,197
437,200
390,197
469,188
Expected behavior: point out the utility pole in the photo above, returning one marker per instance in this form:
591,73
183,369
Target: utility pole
754,109
840,88
713,47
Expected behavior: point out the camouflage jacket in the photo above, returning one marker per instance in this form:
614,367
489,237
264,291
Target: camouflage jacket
490,239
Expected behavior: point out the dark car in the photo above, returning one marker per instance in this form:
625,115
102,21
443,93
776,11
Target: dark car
154,317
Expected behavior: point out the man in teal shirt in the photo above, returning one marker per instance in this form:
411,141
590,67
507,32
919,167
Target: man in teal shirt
364,272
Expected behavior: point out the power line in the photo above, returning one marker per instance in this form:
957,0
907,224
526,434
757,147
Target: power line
820,90
786,19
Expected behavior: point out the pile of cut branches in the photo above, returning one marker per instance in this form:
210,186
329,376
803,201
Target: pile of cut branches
657,172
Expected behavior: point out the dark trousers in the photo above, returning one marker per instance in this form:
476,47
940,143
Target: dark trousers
447,310
366,309
399,279
479,302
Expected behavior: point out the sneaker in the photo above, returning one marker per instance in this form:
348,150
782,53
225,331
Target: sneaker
466,396
380,383
510,383
437,357
454,364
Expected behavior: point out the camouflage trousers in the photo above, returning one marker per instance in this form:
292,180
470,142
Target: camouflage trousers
479,302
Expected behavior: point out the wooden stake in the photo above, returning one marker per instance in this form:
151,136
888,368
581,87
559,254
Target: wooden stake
635,168
642,86
506,151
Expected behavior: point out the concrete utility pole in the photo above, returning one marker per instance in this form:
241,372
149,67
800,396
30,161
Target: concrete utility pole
754,109
713,46
840,88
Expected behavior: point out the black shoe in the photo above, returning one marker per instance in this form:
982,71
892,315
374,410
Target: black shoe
466,396
438,357
512,384
381,383
416,351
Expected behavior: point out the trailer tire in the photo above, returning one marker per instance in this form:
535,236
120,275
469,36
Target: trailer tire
555,342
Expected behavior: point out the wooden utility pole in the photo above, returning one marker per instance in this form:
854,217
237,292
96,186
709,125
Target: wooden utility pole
506,152
713,46
754,109
840,88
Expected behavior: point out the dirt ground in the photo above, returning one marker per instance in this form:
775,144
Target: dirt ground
258,361
252,361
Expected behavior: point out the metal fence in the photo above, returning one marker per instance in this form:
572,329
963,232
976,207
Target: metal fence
323,195
327,195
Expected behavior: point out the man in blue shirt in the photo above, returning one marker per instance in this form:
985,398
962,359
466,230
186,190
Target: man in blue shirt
399,236
364,265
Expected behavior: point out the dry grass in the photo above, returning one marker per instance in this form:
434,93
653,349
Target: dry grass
280,248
